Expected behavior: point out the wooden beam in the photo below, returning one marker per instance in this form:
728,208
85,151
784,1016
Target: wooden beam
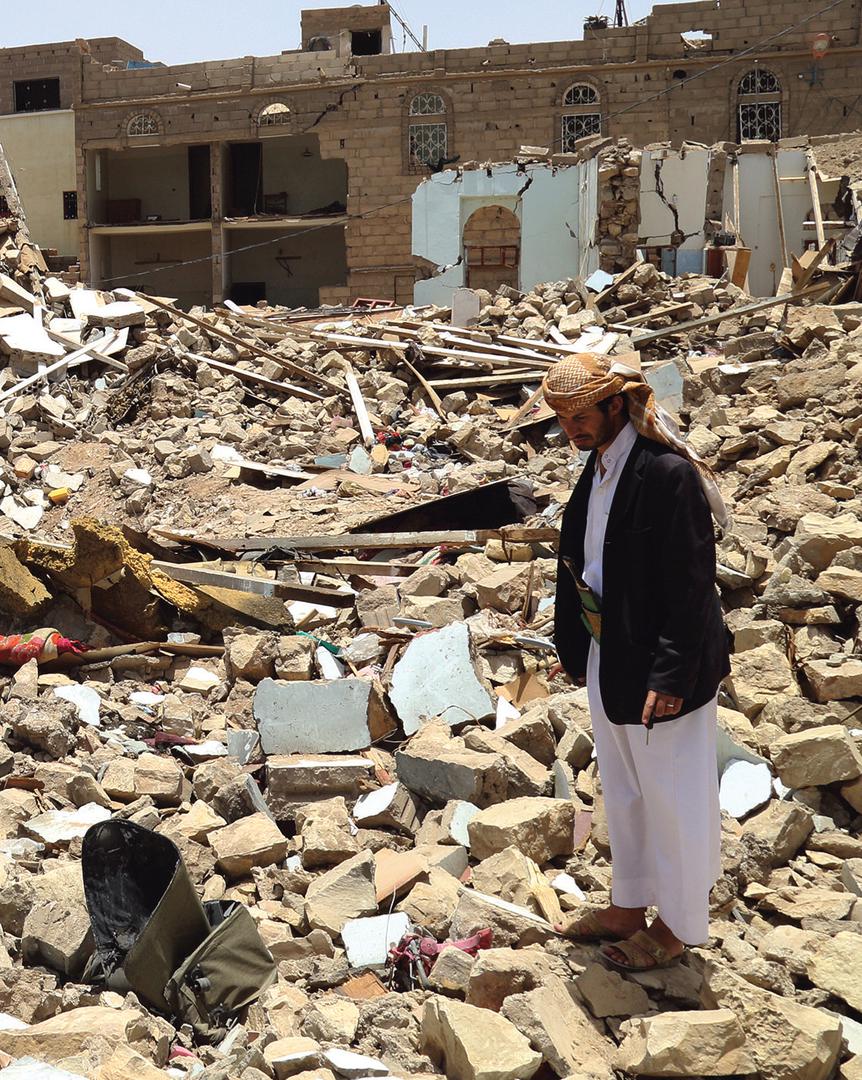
782,234
284,590
730,313
433,396
487,380
253,376
451,538
216,331
350,567
91,350
359,407
72,359
811,172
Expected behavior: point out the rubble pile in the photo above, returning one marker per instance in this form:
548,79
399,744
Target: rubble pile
311,558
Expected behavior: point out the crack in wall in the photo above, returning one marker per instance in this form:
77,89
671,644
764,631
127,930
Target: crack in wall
659,190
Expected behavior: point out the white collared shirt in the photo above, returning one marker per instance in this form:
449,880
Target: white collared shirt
599,506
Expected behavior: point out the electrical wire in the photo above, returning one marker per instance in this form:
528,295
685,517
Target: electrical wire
734,58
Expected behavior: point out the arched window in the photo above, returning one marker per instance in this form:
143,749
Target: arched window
428,131
274,114
427,105
143,124
759,81
581,115
759,107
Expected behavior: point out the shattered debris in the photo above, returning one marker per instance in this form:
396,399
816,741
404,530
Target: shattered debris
278,594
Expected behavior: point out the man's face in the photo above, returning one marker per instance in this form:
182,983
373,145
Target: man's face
588,429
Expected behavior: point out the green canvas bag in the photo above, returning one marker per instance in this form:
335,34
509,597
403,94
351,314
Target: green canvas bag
198,964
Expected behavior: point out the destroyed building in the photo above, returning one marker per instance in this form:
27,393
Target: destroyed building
291,785
289,177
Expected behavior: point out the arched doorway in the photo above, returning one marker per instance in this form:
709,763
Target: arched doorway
492,248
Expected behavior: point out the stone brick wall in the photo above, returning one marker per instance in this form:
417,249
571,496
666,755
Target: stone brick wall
65,60
497,99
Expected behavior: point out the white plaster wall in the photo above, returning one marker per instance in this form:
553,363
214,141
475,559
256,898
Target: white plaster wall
558,213
40,148
684,180
758,224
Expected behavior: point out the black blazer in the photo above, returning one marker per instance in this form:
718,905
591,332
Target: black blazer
662,627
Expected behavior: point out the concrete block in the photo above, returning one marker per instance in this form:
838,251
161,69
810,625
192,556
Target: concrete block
368,941
291,780
392,806
437,677
319,717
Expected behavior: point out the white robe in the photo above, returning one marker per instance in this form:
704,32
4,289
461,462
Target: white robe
661,798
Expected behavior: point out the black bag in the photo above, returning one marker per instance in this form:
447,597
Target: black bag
200,964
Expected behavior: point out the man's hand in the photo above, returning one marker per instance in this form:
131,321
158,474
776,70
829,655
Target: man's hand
659,705
558,669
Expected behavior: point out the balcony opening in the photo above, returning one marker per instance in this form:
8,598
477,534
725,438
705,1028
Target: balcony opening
149,184
283,176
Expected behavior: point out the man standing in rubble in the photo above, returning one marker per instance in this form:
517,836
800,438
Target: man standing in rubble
638,619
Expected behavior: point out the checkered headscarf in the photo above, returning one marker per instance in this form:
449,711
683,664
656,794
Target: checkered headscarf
585,379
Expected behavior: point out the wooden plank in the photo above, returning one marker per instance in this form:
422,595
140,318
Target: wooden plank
811,172
91,351
739,260
814,265
532,400
284,590
621,279
348,567
782,234
487,380
216,331
737,205
369,343
359,407
253,376
465,538
668,309
433,396
72,359
709,320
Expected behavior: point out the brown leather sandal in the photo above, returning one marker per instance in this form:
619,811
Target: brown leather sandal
585,926
635,948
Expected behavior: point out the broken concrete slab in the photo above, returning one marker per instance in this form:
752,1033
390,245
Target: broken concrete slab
475,1044
346,892
367,941
246,843
540,828
707,1043
392,806
439,769
745,787
437,677
296,779
319,717
820,755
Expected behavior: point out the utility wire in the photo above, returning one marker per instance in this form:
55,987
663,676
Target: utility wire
734,58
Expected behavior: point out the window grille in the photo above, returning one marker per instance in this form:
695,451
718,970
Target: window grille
427,105
428,143
143,124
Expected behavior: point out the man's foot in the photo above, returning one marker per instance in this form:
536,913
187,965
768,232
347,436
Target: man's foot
656,947
600,924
